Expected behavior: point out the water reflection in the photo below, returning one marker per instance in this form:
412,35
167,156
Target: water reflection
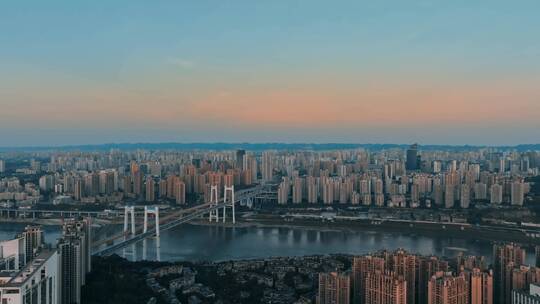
198,242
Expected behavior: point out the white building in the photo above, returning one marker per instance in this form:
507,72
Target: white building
37,282
522,297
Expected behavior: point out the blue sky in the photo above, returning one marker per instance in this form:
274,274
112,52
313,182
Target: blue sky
75,72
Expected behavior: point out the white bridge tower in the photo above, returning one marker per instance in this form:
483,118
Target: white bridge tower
151,210
228,201
129,212
214,200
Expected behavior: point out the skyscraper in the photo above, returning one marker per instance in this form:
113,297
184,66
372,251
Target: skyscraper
385,288
267,166
412,157
334,288
505,256
240,159
361,267
180,192
480,286
517,193
444,288
74,250
33,239
150,189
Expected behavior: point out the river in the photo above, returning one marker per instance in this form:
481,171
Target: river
217,243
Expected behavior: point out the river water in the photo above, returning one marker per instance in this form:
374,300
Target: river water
215,243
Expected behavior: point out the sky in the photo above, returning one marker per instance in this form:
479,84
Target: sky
427,71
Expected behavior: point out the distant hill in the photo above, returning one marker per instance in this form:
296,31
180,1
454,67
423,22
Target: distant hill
258,147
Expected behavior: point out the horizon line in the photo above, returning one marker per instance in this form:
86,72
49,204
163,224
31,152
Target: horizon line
66,146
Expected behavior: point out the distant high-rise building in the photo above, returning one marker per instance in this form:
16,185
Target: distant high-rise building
465,197
496,194
283,191
437,166
46,183
240,159
150,189
2,166
412,157
480,191
267,166
180,192
334,288
449,195
298,186
517,193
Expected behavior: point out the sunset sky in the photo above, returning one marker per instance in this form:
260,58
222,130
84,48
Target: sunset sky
433,72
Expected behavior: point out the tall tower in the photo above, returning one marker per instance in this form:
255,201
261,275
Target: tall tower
412,157
505,256
228,201
240,159
151,210
214,214
129,213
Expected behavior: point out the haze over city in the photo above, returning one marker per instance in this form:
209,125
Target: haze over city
269,71
272,152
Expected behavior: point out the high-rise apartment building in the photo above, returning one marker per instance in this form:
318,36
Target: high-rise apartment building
496,194
405,264
33,241
267,166
334,288
385,288
150,189
74,250
427,267
505,258
361,267
517,193
445,288
480,286
180,192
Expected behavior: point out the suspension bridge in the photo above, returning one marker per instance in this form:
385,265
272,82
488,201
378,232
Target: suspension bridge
132,234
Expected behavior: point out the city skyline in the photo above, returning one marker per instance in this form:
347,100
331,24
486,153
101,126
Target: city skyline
438,73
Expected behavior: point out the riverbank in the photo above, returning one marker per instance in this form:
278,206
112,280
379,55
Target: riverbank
431,229
50,221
